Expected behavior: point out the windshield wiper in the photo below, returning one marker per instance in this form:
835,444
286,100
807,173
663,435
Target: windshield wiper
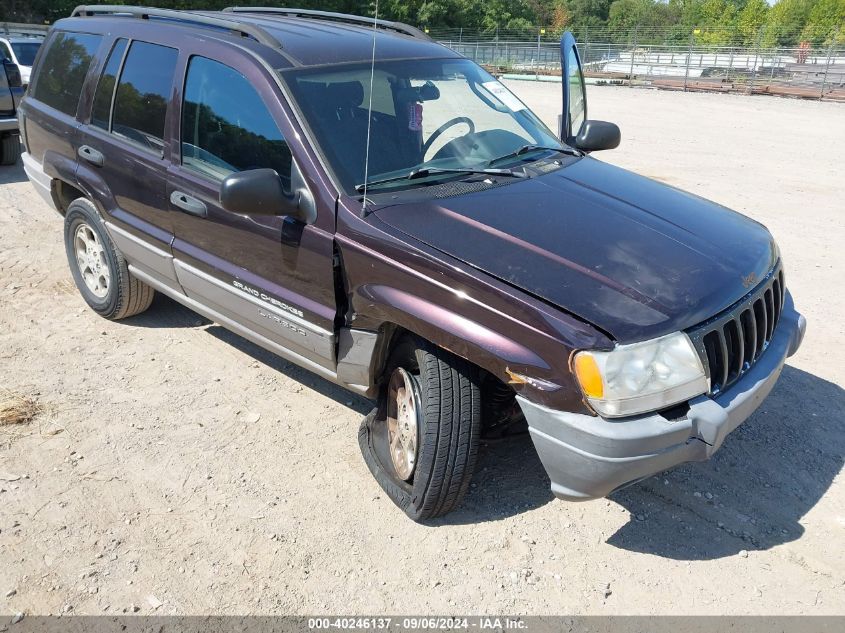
534,148
433,171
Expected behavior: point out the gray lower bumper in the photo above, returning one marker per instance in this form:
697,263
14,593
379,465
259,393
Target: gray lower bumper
40,180
7,125
588,457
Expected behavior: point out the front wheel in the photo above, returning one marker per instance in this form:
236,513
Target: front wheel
421,443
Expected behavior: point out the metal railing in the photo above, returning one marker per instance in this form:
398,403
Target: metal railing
636,59
13,29
798,72
667,58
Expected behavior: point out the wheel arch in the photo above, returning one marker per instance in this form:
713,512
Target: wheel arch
65,186
396,312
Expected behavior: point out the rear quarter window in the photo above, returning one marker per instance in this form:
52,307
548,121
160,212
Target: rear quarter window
101,111
62,71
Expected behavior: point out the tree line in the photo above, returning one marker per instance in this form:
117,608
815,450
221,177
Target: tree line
734,22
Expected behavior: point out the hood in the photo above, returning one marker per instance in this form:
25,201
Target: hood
635,257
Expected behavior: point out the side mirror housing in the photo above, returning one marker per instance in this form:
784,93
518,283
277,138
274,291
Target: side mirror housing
598,135
260,192
13,73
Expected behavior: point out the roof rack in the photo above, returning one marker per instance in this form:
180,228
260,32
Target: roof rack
398,27
145,13
11,29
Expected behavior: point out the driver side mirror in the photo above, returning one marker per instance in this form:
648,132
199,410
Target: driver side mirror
13,73
260,192
598,135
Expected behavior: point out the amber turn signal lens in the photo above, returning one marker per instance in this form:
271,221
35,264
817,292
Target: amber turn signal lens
589,376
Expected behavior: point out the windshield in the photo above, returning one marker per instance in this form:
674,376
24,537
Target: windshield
437,113
25,52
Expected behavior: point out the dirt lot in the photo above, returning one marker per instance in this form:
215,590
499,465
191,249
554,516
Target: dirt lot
177,468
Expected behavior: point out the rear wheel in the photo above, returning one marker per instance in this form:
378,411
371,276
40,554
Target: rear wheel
421,443
10,149
98,268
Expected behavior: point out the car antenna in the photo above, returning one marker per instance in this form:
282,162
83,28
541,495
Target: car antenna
370,112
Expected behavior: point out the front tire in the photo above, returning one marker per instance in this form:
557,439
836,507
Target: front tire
99,269
432,479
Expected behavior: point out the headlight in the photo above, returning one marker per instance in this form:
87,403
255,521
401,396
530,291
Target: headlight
641,377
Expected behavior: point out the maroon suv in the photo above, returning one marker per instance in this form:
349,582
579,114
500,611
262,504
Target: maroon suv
381,211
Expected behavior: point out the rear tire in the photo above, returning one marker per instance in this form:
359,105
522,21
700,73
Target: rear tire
447,435
98,268
10,149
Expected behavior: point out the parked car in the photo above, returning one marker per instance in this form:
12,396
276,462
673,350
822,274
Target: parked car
11,92
381,211
22,51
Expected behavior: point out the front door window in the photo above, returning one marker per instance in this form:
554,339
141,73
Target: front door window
225,125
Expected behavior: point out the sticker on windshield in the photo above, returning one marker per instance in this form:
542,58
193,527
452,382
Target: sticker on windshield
415,117
504,95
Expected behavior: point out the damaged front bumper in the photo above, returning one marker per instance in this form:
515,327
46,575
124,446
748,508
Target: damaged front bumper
588,457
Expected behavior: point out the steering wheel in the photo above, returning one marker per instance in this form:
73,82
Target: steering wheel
439,131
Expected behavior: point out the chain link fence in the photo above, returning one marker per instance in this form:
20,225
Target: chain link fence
662,59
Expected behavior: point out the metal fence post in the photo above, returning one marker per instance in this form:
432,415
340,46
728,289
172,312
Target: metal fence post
586,59
827,65
689,58
756,56
633,51
730,63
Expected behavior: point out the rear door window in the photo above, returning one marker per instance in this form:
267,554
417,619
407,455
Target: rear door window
101,112
226,126
63,70
140,102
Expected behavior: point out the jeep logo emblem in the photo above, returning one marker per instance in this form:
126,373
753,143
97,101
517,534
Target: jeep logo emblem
747,282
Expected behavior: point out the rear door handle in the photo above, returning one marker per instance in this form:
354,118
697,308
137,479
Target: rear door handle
188,204
88,153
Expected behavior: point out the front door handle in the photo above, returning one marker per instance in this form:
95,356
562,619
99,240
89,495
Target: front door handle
88,153
188,204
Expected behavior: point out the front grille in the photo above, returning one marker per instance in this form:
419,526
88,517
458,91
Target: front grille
730,343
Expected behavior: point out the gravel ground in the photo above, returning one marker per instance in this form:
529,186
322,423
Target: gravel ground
178,469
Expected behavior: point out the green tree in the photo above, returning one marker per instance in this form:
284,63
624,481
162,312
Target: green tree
625,15
826,23
751,19
588,13
716,21
785,21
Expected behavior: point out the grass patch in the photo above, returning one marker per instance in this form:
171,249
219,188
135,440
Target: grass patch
16,408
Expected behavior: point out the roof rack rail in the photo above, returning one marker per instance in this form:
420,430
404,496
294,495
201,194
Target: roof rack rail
145,13
10,29
399,27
